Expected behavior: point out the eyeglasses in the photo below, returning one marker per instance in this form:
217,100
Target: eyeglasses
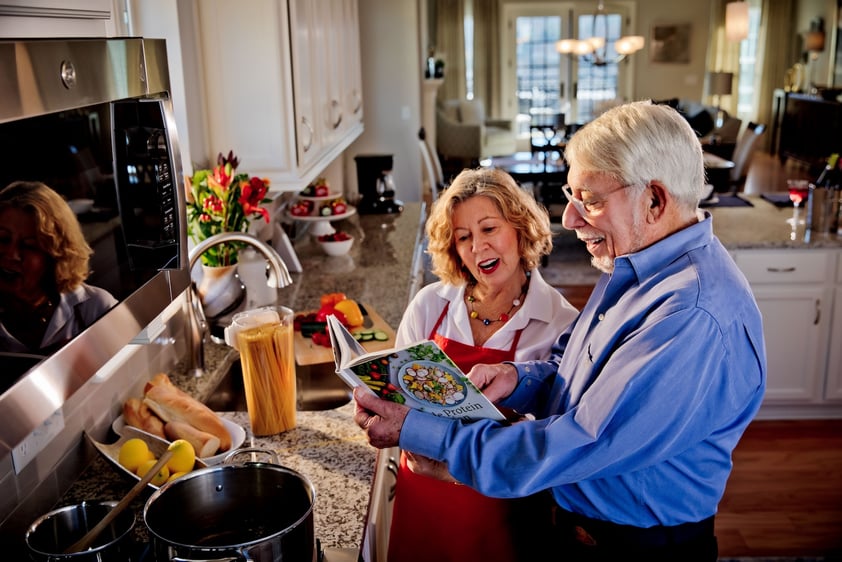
591,206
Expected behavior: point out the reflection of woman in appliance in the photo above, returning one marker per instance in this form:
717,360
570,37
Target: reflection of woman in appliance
486,237
44,301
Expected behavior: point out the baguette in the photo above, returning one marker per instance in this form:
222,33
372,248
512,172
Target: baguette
204,444
137,414
171,403
161,379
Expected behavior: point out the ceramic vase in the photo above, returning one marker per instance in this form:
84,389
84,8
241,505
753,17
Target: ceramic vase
220,290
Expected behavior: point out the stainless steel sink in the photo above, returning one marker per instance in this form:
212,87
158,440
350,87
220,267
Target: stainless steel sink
318,388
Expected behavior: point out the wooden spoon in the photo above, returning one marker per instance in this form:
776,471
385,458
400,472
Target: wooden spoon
87,540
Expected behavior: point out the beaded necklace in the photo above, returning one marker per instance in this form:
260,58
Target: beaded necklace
506,315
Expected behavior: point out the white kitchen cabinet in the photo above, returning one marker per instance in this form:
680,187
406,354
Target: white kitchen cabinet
794,329
271,86
794,292
21,19
326,73
833,388
375,547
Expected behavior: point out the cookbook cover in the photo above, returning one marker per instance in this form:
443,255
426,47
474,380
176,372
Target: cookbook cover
420,375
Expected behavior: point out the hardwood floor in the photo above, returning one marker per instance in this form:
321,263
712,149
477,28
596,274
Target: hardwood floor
784,496
766,173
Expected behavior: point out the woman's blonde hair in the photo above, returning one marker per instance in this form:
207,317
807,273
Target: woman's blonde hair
518,207
59,233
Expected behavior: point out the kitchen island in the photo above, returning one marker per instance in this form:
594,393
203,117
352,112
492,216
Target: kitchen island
382,270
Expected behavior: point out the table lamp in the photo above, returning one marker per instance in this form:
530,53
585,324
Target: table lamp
720,84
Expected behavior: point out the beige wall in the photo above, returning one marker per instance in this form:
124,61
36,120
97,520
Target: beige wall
660,80
391,77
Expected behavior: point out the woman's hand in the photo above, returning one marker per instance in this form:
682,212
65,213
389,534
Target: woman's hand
495,381
426,466
382,420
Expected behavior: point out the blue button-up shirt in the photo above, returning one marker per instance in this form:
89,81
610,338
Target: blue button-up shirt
642,402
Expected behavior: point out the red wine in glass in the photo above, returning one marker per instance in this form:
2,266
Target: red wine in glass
798,191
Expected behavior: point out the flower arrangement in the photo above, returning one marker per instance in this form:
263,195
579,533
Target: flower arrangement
222,200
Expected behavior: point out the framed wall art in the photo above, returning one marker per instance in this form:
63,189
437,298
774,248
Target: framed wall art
670,43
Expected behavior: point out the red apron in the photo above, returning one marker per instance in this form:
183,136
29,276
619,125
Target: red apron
435,521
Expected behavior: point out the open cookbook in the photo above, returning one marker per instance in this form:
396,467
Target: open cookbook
419,375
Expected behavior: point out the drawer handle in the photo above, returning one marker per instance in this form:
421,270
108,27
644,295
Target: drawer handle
308,140
818,313
392,466
780,269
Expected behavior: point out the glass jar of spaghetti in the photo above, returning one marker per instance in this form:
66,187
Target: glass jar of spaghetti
264,338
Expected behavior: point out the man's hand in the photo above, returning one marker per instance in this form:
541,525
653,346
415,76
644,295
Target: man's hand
382,420
495,381
426,466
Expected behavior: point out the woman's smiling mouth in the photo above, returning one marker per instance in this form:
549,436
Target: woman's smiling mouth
489,266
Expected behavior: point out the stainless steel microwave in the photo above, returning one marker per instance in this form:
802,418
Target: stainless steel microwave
92,118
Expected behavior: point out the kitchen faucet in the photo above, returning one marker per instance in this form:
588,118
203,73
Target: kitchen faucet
278,278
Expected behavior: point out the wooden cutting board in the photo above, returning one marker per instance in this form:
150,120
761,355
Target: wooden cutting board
308,353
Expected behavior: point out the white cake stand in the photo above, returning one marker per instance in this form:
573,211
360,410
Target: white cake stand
321,224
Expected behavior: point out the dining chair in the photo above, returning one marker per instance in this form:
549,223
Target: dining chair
747,144
433,176
545,132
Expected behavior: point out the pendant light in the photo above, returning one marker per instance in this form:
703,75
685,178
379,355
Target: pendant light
595,48
736,21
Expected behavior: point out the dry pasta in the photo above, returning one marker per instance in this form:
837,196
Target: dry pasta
266,353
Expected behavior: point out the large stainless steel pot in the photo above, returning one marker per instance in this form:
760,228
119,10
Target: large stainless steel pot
234,511
49,536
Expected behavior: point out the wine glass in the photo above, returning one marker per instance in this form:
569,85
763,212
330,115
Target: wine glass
798,191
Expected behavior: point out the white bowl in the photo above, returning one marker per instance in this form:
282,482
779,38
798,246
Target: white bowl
238,437
337,248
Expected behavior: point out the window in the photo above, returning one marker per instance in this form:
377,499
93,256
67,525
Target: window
545,81
597,81
748,59
538,64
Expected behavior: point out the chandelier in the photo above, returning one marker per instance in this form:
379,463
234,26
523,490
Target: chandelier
595,48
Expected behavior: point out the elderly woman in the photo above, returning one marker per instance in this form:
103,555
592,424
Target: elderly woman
486,237
44,301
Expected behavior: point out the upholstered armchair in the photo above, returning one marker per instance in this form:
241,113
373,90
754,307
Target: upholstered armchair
464,132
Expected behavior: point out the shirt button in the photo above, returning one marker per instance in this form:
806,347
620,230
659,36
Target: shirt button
601,317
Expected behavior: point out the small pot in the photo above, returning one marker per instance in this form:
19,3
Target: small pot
252,511
49,536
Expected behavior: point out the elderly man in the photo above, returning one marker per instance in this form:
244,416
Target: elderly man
647,393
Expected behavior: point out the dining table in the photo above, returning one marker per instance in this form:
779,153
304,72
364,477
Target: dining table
718,172
531,167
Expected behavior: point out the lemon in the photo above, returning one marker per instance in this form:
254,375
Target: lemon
160,478
183,456
175,475
133,453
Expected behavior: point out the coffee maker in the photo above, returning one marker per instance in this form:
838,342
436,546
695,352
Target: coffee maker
375,184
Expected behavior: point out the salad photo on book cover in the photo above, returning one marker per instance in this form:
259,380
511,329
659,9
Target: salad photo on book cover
419,375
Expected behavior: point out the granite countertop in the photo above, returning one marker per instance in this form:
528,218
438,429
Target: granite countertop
763,225
325,446
759,226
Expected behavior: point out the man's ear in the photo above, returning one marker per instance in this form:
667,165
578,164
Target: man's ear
659,198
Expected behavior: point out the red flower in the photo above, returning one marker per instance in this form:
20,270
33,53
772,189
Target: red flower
252,193
221,200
